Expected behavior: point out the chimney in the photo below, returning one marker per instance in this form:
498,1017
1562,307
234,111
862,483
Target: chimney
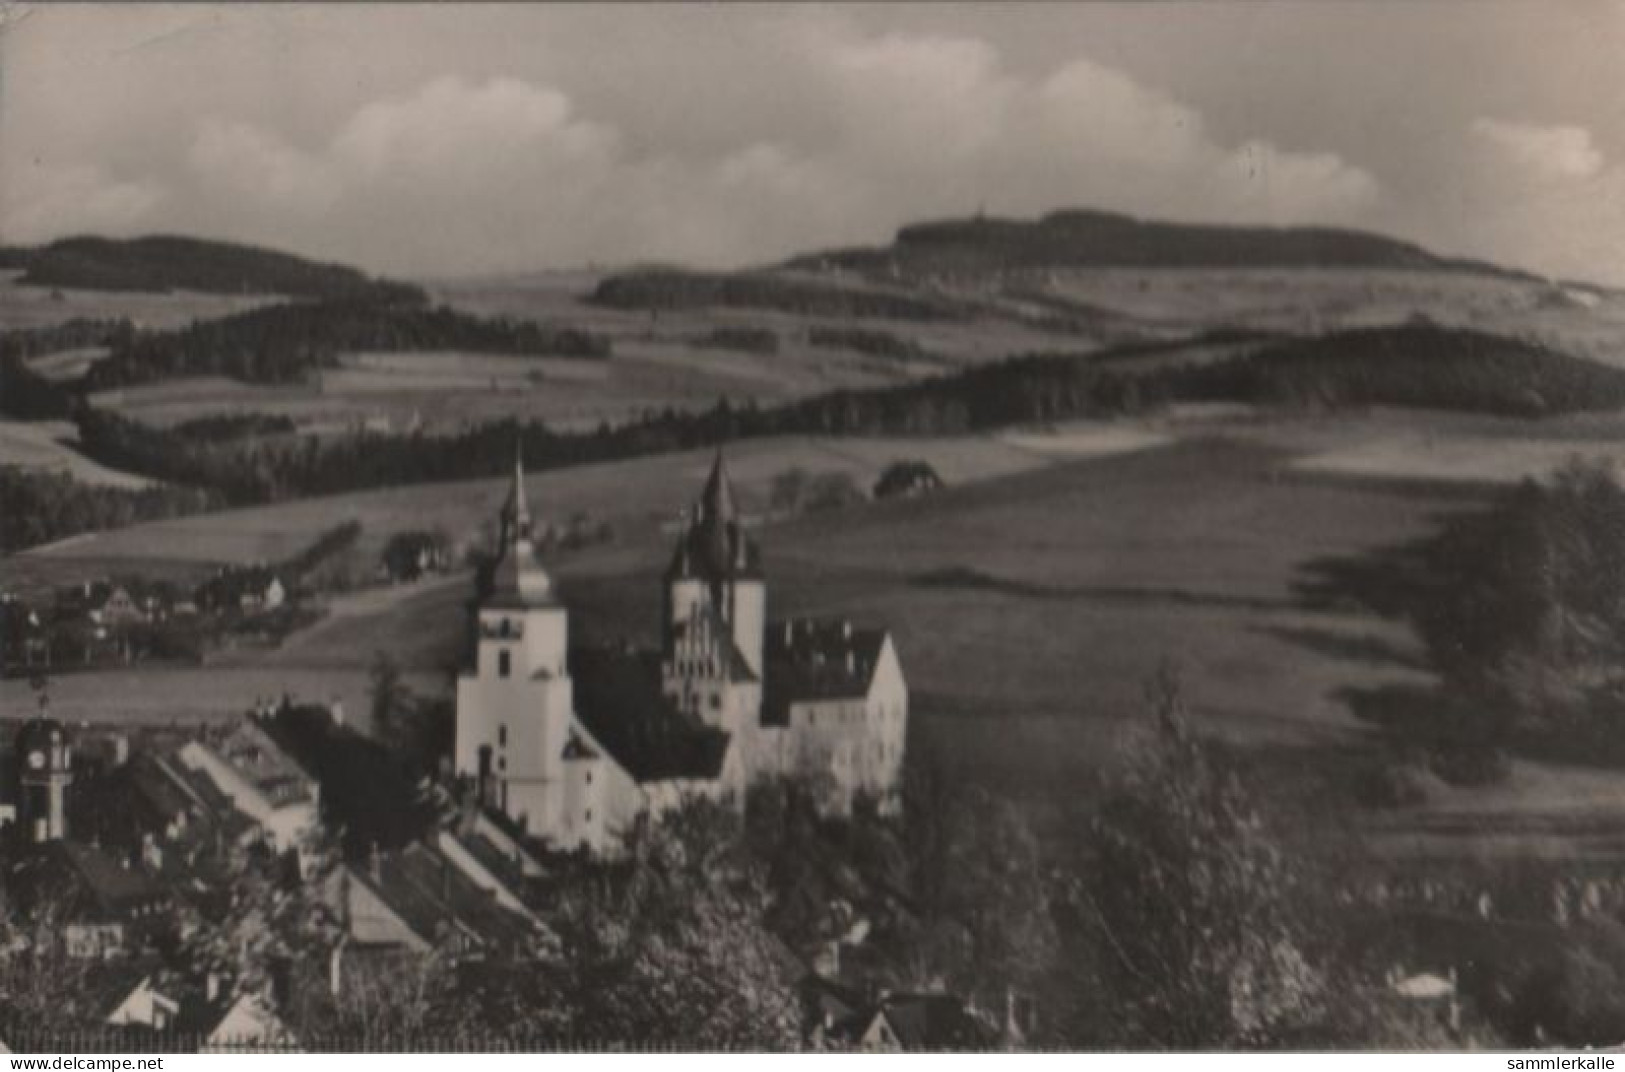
374,863
211,986
846,628
121,750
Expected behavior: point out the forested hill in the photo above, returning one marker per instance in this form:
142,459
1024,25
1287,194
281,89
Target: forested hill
164,263
1079,238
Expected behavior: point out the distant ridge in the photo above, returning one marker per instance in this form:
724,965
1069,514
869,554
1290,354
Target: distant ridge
160,263
1080,238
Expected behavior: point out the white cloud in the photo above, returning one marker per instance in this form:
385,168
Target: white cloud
1555,152
471,172
40,201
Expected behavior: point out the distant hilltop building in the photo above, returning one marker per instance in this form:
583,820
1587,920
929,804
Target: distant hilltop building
574,745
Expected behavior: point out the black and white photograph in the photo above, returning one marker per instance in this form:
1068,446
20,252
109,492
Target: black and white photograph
822,528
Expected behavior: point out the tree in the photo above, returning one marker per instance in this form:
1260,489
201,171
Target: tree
388,696
1192,901
668,946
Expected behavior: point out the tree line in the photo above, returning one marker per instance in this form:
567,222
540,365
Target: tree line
284,343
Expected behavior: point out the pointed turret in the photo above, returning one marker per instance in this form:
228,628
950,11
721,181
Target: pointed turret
713,544
717,505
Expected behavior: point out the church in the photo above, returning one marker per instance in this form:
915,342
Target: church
575,743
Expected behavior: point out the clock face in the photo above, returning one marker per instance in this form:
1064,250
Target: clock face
36,760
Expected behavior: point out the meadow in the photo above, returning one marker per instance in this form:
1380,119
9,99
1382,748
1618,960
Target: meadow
1030,601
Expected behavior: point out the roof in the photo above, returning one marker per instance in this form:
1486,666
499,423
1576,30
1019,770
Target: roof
86,883
259,760
619,701
931,1022
429,893
713,546
107,984
808,660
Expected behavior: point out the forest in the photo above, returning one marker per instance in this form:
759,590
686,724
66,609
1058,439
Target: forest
166,262
283,343
1413,365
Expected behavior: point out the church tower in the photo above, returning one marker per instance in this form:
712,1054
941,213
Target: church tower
715,627
717,566
45,761
515,705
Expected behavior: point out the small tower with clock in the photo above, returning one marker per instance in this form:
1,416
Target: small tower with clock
45,758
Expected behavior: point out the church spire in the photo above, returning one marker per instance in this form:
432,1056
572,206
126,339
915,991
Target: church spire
516,511
518,576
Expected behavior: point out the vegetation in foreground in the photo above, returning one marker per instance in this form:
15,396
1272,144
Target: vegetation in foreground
1521,611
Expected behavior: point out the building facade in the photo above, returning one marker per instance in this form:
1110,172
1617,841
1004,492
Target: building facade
575,744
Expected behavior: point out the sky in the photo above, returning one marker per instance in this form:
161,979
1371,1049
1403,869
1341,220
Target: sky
434,140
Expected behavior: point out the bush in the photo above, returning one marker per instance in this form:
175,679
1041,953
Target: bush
1468,765
1395,783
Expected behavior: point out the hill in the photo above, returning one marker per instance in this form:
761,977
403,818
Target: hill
668,289
1086,239
167,262
1418,366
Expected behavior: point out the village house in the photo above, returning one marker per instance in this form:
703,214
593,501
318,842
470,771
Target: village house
261,780
575,743
99,905
421,900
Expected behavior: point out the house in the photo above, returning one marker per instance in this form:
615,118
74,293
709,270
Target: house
219,1019
130,994
491,859
834,711
250,589
420,900
169,819
261,780
100,906
114,607
409,555
574,744
25,640
906,480
903,1023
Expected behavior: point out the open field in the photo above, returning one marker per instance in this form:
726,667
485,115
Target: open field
47,445
638,495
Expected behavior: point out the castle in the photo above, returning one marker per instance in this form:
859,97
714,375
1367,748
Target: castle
574,743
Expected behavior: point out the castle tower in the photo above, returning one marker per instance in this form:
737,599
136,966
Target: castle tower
46,770
716,566
514,705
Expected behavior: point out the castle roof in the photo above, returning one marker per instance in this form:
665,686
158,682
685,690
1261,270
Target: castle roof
620,703
809,660
713,545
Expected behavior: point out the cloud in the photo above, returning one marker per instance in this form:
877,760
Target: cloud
40,201
479,171
1552,152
